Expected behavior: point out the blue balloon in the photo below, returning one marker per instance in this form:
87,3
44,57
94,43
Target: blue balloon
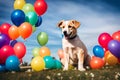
49,62
18,17
2,68
4,40
12,63
98,51
12,43
39,21
58,64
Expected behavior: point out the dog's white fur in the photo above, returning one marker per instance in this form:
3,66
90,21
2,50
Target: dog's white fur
75,51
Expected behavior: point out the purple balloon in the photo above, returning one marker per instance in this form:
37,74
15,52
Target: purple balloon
4,40
114,48
13,43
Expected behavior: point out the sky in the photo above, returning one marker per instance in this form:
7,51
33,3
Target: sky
95,16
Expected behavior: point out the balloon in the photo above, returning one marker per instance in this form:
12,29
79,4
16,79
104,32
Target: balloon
28,8
39,21
12,43
40,7
31,17
18,17
2,68
33,29
96,63
44,51
19,49
13,32
58,64
49,62
98,51
36,52
60,53
111,59
25,30
5,52
4,28
18,4
114,48
42,38
116,35
119,60
104,39
4,40
12,63
37,63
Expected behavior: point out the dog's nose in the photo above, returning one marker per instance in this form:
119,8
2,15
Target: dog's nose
65,32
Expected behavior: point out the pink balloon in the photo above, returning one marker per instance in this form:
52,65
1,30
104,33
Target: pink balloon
19,49
60,53
5,52
104,39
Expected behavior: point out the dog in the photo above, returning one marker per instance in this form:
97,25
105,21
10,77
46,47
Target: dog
75,52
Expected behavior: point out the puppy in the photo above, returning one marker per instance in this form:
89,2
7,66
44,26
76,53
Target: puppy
75,52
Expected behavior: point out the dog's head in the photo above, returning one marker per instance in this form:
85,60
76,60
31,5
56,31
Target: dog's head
69,28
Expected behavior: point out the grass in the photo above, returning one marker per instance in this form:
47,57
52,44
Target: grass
106,73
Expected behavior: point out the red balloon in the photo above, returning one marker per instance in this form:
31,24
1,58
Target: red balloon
104,39
116,35
40,7
96,63
119,60
5,52
19,49
4,28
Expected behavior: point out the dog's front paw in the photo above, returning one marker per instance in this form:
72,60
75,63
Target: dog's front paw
82,69
65,69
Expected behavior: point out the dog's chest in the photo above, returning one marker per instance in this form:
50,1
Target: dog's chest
71,43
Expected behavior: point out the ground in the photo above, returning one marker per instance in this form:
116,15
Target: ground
106,73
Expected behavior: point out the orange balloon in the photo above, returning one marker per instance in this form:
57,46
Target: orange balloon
44,51
13,32
111,59
116,35
96,63
60,53
25,30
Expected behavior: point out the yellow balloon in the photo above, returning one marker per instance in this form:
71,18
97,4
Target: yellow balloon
38,63
18,4
111,59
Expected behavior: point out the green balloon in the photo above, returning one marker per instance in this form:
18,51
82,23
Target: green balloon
31,17
42,38
35,52
58,64
28,8
33,29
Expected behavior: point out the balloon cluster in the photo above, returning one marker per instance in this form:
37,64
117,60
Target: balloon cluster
108,51
42,58
25,18
11,52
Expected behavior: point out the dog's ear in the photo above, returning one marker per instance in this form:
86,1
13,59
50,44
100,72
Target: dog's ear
60,23
76,23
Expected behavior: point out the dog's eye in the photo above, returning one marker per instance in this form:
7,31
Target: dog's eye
69,26
63,27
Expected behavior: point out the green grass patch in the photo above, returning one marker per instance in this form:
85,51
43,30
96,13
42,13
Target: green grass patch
106,73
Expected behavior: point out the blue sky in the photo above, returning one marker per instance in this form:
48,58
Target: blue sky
96,17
